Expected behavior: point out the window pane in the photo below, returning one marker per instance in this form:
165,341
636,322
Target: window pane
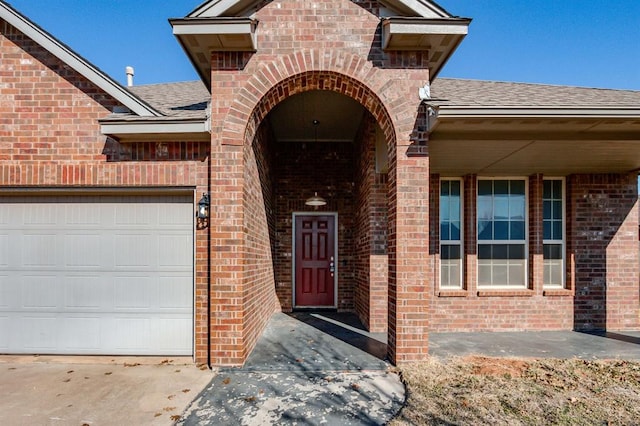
454,274
485,207
455,231
485,230
516,273
500,274
547,188
500,251
516,207
484,251
556,229
455,188
557,209
501,208
557,189
484,274
546,230
516,251
444,188
444,231
450,252
454,208
517,187
546,209
517,231
501,230
552,251
485,187
444,209
501,187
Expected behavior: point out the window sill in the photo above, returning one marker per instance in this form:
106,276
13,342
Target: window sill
525,292
557,292
453,293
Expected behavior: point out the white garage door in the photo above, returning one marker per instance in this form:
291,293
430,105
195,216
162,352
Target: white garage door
96,275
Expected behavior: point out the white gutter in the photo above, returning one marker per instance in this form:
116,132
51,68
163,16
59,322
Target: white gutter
75,61
537,112
152,127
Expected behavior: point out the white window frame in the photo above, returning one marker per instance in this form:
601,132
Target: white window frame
460,242
562,242
525,242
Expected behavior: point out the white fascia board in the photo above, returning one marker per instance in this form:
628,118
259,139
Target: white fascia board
539,112
153,127
435,28
75,61
216,27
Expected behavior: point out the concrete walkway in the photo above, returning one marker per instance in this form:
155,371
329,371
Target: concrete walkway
307,369
59,390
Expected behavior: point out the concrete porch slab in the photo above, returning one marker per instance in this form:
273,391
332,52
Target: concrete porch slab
539,344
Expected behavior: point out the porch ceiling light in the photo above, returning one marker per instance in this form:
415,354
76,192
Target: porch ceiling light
203,211
315,201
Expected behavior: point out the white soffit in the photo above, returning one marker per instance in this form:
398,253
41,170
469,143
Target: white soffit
125,131
201,36
536,112
75,61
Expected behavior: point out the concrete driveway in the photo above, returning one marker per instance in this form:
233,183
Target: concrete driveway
97,390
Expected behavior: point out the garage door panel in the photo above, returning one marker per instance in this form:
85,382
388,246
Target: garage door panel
39,333
39,250
83,292
80,334
171,296
180,257
133,293
39,292
96,275
134,250
82,250
171,334
4,250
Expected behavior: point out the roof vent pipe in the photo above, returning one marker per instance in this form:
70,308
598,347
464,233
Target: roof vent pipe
129,71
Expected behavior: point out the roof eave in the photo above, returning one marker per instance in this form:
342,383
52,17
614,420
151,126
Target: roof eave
75,61
160,130
445,112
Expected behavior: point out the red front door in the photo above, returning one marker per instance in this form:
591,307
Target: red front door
315,260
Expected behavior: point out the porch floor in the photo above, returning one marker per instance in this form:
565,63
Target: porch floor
539,344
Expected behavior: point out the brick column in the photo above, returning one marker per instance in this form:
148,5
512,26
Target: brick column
227,254
470,249
409,264
536,235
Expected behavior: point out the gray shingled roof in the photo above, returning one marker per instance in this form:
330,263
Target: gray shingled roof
189,100
478,93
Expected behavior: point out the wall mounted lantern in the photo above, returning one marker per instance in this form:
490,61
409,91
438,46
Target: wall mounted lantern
203,211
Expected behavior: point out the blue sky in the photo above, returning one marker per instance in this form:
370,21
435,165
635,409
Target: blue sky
592,43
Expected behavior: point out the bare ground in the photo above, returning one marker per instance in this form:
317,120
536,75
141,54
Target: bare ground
503,391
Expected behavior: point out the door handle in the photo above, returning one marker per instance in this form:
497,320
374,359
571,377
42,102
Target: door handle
332,267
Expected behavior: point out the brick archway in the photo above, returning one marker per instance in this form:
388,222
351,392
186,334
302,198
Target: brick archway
299,72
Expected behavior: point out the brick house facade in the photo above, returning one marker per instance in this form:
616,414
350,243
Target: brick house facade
482,206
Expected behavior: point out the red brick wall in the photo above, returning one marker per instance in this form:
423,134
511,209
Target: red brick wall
603,242
50,136
370,233
259,296
302,169
602,265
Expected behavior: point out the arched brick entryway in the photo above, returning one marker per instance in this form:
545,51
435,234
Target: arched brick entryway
243,295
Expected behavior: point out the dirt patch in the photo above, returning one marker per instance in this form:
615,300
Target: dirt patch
503,391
